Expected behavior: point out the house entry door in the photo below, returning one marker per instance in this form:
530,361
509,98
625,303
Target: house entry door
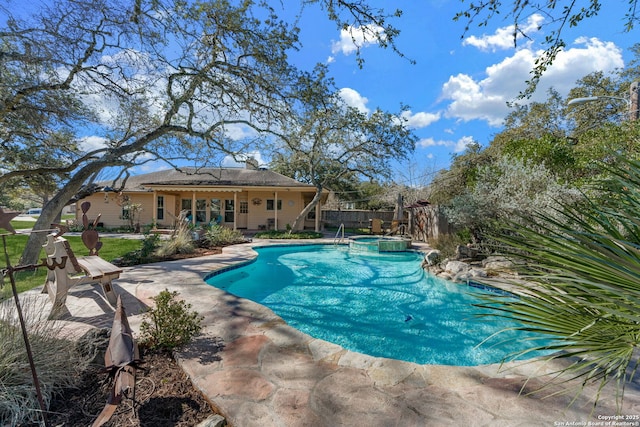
243,211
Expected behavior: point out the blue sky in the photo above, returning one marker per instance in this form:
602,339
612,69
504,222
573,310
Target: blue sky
458,89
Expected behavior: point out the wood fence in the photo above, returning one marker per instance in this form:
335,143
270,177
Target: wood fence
423,222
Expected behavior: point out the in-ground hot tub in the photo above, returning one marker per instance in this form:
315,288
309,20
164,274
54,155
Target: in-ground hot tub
380,243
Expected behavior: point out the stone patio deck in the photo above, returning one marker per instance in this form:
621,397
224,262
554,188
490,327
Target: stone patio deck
260,372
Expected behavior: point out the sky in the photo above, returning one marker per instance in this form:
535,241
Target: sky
458,89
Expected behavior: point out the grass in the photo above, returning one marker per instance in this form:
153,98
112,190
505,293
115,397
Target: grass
25,280
19,225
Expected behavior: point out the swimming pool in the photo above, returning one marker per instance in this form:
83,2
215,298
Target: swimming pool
383,305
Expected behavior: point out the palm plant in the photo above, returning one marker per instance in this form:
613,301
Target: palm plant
581,283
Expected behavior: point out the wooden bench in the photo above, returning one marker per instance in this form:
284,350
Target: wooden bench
65,270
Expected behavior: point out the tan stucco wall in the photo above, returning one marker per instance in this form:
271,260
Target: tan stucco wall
111,211
292,204
256,218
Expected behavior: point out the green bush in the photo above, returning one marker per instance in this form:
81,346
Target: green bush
277,234
170,324
447,244
217,235
144,254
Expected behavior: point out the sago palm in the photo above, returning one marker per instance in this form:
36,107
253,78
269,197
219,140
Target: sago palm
580,287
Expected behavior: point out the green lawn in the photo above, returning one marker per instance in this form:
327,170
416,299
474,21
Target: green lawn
112,248
19,225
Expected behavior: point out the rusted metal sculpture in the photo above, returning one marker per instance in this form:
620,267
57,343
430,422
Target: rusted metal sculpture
121,361
90,236
5,220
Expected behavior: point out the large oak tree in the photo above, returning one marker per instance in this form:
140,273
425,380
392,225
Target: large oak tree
147,79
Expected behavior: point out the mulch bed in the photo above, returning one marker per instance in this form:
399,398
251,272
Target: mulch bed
198,252
164,397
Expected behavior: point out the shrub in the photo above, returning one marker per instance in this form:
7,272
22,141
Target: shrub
446,244
217,235
170,324
507,189
275,234
55,359
181,241
142,255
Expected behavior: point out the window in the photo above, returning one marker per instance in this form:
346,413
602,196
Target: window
186,206
216,209
126,213
271,204
160,208
244,207
229,208
201,210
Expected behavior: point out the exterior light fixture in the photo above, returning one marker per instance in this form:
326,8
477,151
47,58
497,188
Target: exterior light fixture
632,101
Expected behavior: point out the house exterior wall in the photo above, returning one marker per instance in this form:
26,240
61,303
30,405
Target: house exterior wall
109,207
251,208
259,213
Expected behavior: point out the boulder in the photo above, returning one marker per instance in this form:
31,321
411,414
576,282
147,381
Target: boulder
466,252
456,267
497,263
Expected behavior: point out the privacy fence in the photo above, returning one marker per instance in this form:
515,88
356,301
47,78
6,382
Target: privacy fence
423,222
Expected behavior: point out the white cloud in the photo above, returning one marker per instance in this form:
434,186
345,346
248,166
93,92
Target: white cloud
486,99
238,132
456,146
503,37
352,38
420,120
353,99
91,143
230,162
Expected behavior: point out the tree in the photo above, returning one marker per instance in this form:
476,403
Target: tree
152,80
559,15
508,189
330,141
461,175
538,133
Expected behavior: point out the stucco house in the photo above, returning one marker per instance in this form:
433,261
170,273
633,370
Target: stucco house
239,198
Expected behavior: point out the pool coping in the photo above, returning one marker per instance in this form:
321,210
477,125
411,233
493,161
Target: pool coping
258,371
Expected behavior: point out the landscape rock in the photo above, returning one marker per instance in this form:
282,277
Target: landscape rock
497,263
466,252
456,267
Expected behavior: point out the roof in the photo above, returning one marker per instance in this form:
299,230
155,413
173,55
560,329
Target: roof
212,177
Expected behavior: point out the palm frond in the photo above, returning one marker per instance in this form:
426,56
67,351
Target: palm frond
579,282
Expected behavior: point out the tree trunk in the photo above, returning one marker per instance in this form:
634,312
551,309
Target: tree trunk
302,215
53,209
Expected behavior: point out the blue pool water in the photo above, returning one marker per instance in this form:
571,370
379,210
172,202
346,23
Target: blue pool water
383,305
